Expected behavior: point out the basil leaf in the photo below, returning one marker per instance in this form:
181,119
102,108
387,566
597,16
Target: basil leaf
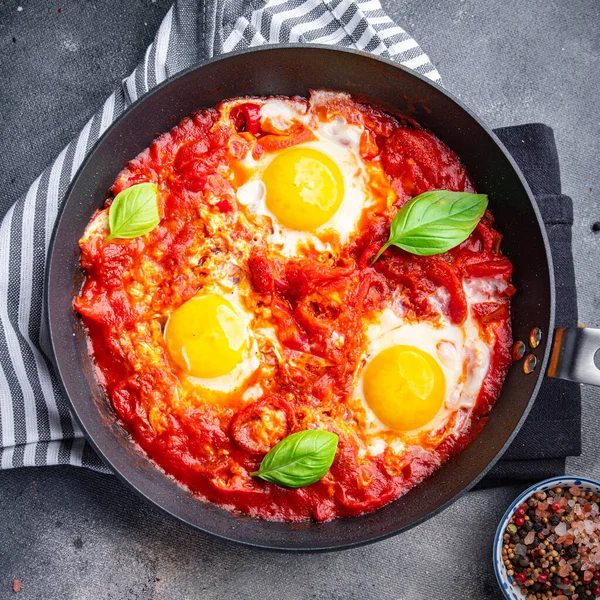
299,459
434,222
134,212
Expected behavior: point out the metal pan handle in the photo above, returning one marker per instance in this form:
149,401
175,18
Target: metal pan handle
576,355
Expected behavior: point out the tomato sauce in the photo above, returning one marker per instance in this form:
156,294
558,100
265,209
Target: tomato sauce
310,302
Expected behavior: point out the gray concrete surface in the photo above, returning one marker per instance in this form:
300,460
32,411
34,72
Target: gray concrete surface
66,533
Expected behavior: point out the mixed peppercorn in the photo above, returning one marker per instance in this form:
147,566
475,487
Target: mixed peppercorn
551,545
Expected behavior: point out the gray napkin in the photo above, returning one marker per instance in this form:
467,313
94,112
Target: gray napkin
36,427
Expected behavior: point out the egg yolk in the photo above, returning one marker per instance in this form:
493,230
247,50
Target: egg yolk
206,336
404,387
304,188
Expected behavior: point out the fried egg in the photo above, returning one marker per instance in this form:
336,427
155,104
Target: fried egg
314,192
415,375
210,339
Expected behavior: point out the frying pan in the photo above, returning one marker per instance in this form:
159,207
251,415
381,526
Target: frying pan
291,70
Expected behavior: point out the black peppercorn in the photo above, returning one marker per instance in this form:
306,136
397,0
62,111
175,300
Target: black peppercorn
528,526
558,547
554,520
531,513
515,539
538,526
572,552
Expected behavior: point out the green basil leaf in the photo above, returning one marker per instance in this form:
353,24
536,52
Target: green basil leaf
299,459
434,222
134,211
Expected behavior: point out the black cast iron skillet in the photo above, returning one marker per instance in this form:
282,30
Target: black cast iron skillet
293,70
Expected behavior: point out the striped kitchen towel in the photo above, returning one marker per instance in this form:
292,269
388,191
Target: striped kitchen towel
36,427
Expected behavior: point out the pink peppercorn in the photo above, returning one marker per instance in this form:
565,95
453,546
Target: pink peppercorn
520,512
555,506
519,521
520,577
596,592
542,577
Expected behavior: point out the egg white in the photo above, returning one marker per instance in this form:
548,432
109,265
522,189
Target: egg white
483,289
282,113
336,139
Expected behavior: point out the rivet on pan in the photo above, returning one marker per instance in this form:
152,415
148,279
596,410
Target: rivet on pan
529,364
535,337
518,350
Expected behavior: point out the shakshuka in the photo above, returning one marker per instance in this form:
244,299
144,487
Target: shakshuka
252,307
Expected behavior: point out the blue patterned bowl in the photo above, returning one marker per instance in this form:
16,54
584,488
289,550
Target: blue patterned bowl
510,591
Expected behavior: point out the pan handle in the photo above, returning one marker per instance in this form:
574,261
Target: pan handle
576,355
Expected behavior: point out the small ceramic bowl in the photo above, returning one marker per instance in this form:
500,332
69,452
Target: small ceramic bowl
510,591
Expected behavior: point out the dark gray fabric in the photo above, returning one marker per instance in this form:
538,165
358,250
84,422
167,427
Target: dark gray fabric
552,430
34,418
73,534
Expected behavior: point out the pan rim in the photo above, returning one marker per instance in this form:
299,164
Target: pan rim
307,47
